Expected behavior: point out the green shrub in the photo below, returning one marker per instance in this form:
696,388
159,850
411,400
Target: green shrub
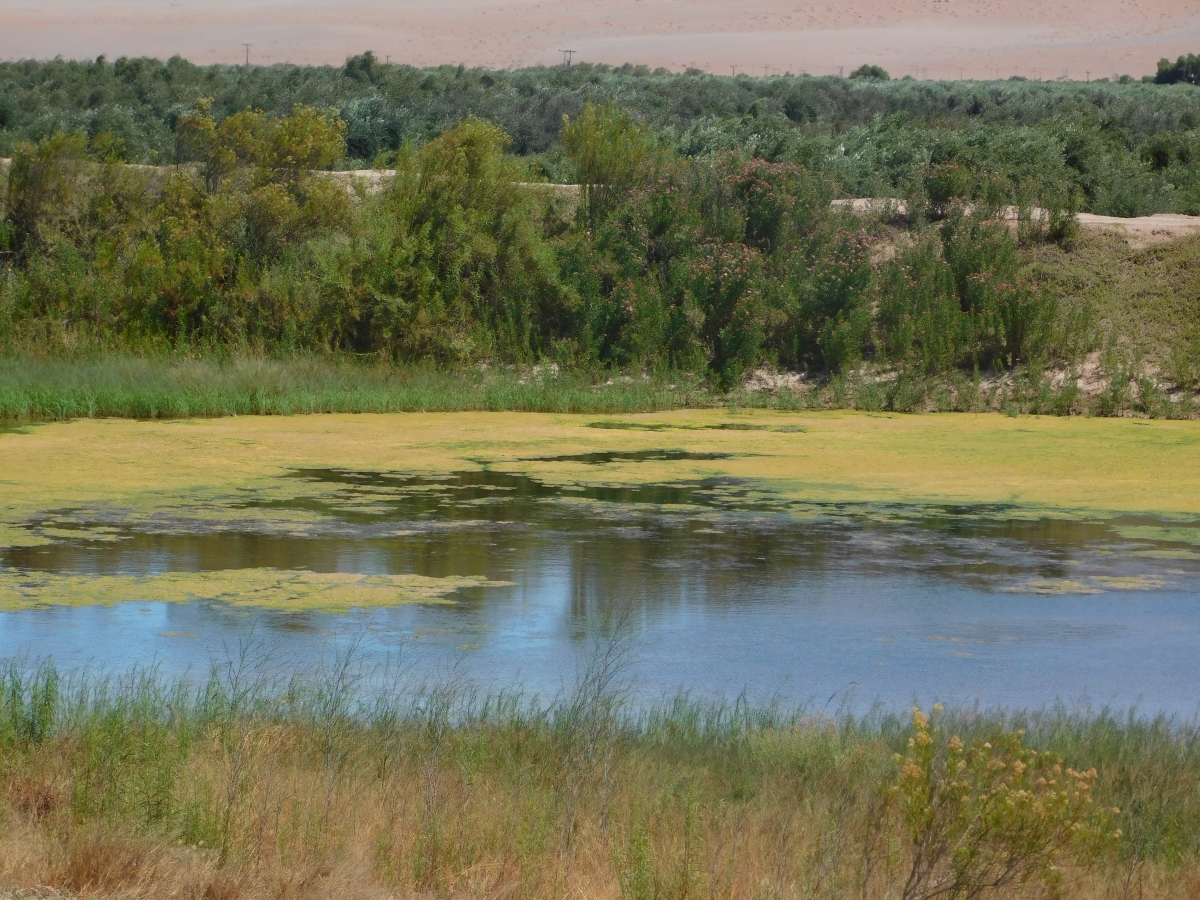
458,265
40,180
1185,365
1185,69
610,153
874,73
1008,316
920,320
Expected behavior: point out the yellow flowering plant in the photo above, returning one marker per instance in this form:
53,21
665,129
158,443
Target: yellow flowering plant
990,816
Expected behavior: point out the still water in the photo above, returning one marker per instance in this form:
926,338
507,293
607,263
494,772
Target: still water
714,587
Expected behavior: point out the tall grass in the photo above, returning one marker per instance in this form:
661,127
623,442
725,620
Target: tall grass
354,783
49,389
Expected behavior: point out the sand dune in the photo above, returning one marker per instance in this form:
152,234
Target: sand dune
927,38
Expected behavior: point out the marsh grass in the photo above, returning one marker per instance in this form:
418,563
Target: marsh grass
354,783
50,389
41,389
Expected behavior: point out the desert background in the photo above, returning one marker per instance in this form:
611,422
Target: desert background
928,39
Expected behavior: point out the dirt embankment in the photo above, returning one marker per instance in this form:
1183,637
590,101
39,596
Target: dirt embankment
1138,232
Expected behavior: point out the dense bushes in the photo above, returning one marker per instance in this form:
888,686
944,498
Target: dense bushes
874,136
1185,69
454,263
715,263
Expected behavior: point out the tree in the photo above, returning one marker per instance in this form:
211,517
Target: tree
871,73
39,180
1185,69
611,155
284,148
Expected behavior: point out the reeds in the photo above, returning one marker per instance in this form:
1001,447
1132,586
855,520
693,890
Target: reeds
48,389
354,783
51,389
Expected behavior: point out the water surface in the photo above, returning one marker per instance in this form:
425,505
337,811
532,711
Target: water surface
718,586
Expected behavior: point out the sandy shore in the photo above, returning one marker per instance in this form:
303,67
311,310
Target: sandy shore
926,38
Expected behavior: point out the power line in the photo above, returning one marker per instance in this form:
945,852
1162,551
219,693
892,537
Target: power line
247,46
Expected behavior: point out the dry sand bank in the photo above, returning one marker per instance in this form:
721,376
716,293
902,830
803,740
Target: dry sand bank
928,38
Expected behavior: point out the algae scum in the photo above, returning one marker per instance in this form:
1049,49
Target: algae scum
722,584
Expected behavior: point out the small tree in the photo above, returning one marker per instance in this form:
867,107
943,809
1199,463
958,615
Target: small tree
282,149
39,181
871,73
996,815
611,155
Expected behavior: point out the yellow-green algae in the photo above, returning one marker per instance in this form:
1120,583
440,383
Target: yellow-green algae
1091,584
279,589
208,470
1169,533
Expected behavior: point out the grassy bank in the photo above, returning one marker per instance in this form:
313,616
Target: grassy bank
127,386
240,787
119,385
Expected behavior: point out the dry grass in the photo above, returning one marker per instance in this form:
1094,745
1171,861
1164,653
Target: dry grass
141,789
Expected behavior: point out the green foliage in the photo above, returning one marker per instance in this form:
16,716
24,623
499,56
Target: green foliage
959,297
610,153
1185,365
1007,315
39,183
29,704
707,260
1021,128
458,265
718,264
874,73
920,316
284,148
1185,69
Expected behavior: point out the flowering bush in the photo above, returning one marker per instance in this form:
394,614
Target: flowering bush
989,816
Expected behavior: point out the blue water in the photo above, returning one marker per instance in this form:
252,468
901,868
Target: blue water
707,588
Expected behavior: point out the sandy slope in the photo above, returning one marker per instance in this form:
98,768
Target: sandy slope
928,38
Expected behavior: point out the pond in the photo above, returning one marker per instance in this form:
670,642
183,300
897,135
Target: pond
506,574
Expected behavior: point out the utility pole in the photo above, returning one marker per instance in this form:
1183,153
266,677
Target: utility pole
1087,77
733,70
567,54
247,46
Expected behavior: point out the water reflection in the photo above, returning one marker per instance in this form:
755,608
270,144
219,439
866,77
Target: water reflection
729,587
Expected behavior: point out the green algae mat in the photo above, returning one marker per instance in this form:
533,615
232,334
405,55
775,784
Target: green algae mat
95,480
200,468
